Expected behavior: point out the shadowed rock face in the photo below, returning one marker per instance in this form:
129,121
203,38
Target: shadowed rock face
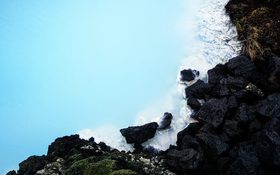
139,134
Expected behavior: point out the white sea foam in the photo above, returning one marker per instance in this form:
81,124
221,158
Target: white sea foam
215,41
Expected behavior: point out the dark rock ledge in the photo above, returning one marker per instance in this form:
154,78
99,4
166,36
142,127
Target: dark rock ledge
237,130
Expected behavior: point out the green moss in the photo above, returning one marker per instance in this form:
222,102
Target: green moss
90,166
123,172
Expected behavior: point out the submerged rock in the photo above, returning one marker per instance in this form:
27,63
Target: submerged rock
139,134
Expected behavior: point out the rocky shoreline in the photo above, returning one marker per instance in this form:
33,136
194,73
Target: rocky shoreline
237,112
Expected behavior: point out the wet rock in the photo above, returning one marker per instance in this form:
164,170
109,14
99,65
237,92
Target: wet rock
241,66
31,165
165,121
193,103
139,134
213,112
216,74
188,74
198,90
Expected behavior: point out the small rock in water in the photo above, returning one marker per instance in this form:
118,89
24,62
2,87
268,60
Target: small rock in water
139,134
165,121
188,75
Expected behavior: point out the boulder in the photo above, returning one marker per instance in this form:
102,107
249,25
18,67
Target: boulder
246,161
186,160
198,90
213,112
63,146
211,143
165,121
139,134
241,66
31,165
216,74
270,107
268,144
188,74
190,130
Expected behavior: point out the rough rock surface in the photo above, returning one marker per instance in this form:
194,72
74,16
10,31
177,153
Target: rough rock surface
139,134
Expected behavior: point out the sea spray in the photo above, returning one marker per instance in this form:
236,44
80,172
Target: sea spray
214,41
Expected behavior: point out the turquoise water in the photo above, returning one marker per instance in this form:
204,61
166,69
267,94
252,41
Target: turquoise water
70,65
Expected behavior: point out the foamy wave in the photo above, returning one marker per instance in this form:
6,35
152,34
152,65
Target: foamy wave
215,42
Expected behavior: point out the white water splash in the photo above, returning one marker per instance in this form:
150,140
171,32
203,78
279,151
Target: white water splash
215,41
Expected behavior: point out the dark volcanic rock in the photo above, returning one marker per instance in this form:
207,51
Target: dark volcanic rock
193,103
61,147
139,134
268,146
213,112
216,74
186,160
165,121
246,161
188,75
31,165
12,172
191,130
198,90
241,66
212,143
270,106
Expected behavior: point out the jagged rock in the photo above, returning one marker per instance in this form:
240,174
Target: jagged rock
232,102
188,75
186,160
211,143
241,66
61,147
221,90
190,130
246,161
165,121
274,73
31,165
11,173
193,103
268,145
213,112
198,90
270,107
216,74
236,83
139,134
232,128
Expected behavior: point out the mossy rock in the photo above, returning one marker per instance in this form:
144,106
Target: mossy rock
123,172
89,166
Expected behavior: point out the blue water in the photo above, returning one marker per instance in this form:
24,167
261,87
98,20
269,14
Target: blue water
69,65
